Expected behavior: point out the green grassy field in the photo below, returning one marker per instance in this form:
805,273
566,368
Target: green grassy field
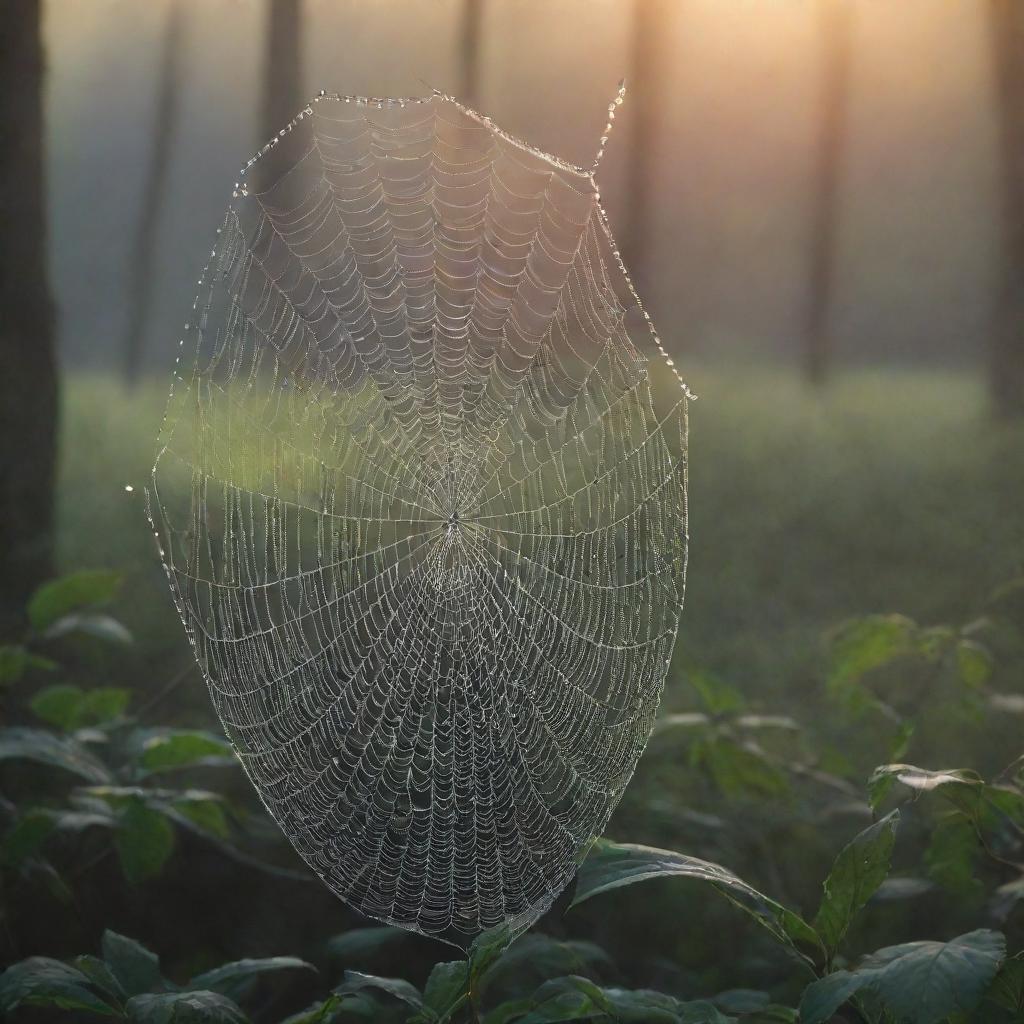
893,491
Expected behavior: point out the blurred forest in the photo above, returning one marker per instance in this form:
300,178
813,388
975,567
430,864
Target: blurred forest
822,205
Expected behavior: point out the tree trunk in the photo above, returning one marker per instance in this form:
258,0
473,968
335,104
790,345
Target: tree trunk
469,52
835,27
652,27
141,272
1006,362
28,359
283,92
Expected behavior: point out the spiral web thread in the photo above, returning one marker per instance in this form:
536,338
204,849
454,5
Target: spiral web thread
421,501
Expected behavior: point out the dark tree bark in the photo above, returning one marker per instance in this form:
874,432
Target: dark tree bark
835,30
652,28
283,92
28,358
469,52
1006,359
142,269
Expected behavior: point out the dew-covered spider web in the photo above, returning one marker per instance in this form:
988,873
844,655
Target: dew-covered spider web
420,495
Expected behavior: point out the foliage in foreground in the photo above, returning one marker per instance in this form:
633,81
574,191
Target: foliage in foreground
969,834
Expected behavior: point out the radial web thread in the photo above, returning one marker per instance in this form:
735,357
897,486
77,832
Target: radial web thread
421,500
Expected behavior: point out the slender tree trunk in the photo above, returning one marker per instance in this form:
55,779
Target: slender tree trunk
469,52
653,26
142,270
283,92
1006,363
836,18
28,358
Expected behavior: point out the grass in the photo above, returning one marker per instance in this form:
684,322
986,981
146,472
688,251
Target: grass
892,491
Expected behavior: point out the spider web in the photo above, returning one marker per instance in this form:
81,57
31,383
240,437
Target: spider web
421,501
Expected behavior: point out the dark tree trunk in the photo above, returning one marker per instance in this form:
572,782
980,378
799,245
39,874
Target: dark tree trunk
835,26
283,92
652,27
469,52
1006,363
28,359
142,270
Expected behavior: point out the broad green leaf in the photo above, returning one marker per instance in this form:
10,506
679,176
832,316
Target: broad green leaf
40,981
919,779
207,814
858,871
57,751
974,663
356,981
1007,989
101,976
447,987
183,748
62,596
234,978
953,850
185,1008
320,1013
103,704
364,943
70,707
644,1006
860,645
512,1010
611,865
543,956
918,982
563,999
136,968
16,660
58,705
145,839
103,627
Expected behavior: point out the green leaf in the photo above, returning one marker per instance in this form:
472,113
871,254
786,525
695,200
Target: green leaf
103,627
185,1008
919,779
563,999
136,969
951,855
58,705
355,981
145,840
543,956
447,987
70,707
101,977
40,981
166,749
858,871
205,812
16,660
1007,990
364,943
56,751
860,645
611,865
974,663
62,596
103,704
234,978
919,982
